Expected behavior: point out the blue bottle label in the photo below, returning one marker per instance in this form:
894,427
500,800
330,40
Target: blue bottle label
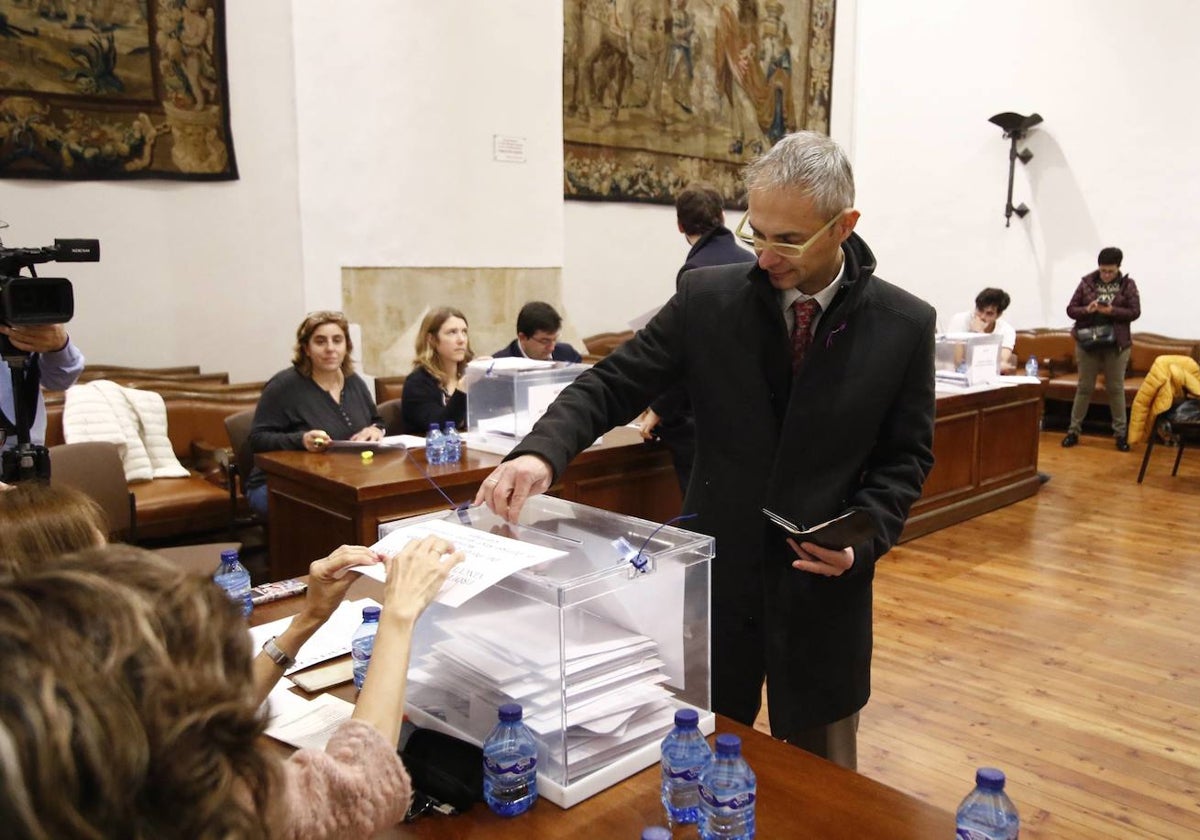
688,774
518,767
964,833
735,803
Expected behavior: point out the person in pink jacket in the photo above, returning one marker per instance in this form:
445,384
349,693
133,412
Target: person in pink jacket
130,706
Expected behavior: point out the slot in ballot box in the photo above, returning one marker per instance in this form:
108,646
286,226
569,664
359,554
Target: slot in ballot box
601,644
506,396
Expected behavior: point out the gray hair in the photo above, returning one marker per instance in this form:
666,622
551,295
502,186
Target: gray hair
809,162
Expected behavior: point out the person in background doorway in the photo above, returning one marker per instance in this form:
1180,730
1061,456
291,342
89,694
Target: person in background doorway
538,328
700,215
317,400
1104,297
433,392
986,318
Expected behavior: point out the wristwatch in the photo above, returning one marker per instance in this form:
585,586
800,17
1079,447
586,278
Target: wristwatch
277,655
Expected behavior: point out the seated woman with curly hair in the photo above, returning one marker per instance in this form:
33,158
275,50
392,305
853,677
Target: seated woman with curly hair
128,708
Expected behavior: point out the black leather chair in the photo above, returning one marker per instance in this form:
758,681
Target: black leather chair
1178,426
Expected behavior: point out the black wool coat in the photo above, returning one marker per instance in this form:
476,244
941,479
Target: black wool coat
853,428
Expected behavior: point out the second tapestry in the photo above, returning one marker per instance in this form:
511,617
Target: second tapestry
659,93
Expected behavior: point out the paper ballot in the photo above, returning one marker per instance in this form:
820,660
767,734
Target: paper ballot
489,557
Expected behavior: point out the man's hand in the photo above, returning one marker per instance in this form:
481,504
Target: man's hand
328,581
506,490
39,338
646,422
821,561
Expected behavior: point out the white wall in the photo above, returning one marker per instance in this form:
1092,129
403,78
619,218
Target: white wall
190,273
398,104
363,133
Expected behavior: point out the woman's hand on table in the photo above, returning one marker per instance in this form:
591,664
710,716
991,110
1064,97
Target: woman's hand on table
316,440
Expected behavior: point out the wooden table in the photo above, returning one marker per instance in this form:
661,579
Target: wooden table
320,501
799,795
985,446
985,449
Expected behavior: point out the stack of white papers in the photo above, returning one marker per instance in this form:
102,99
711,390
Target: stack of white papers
610,687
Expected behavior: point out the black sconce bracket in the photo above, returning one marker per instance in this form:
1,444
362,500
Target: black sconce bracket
1015,126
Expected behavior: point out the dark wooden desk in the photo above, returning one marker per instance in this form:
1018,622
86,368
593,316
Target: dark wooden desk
985,449
799,795
320,501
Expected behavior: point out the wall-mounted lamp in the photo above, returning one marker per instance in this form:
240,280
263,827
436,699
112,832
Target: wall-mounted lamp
1015,126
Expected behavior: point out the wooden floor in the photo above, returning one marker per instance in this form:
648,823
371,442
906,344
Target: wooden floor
1058,639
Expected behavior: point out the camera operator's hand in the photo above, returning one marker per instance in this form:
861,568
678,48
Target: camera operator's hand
39,338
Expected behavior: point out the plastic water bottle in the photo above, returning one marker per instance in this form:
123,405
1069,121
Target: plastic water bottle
1031,367
987,813
362,644
232,576
656,832
510,765
452,443
727,793
435,446
685,755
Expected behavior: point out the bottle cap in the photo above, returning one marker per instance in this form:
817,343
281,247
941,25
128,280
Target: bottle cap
370,613
656,832
687,718
990,778
730,745
510,712
229,555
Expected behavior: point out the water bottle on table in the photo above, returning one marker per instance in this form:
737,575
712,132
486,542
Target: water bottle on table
435,446
510,765
727,792
987,813
452,444
1031,367
685,755
362,644
232,576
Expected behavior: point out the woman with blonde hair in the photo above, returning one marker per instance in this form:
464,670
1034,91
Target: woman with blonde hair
317,400
128,709
433,392
39,522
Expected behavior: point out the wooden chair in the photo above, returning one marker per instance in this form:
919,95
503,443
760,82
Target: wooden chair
238,426
393,421
95,469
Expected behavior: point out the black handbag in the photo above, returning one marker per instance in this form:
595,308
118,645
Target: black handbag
1097,337
443,769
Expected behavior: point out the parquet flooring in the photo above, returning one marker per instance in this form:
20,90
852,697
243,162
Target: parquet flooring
1058,639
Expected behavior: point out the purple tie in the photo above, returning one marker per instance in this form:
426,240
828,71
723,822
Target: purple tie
805,311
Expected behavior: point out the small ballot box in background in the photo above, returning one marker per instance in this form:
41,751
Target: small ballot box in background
506,396
968,358
600,646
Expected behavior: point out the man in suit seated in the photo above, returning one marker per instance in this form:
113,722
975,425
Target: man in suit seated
538,326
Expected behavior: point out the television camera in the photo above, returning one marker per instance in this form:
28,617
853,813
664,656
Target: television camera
31,300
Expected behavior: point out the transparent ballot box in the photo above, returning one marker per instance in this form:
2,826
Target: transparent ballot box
967,358
600,645
506,396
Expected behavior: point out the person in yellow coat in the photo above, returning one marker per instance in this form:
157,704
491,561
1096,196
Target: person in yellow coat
1169,379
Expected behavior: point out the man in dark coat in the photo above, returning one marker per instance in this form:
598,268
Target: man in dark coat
846,423
538,326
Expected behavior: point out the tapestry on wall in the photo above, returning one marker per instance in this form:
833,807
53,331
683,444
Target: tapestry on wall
659,93
114,89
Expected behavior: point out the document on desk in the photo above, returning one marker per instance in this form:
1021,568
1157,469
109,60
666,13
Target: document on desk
305,724
333,639
489,558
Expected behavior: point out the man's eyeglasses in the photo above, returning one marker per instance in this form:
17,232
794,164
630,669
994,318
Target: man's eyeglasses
784,249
